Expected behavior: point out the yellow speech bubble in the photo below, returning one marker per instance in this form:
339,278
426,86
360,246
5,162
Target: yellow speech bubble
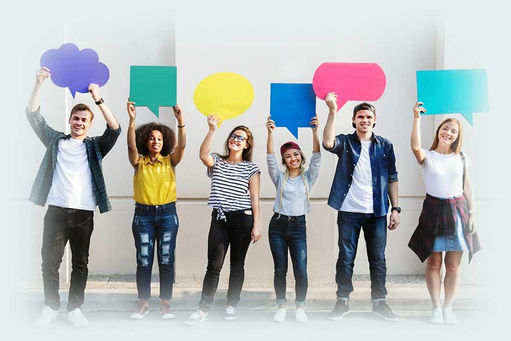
225,94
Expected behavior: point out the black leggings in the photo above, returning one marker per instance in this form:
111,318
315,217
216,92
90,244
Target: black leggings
236,231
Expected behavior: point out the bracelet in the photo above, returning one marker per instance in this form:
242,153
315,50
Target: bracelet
181,126
99,101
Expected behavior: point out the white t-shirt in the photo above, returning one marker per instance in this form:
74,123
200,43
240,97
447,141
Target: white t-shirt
71,186
360,195
443,174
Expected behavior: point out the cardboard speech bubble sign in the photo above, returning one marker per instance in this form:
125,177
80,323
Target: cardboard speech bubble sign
292,105
453,91
75,69
225,94
153,86
350,81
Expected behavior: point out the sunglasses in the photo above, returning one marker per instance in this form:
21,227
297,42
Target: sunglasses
238,138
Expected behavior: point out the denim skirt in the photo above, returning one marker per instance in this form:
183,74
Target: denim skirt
455,242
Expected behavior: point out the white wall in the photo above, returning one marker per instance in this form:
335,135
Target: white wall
265,44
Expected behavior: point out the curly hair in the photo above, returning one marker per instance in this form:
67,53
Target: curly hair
143,134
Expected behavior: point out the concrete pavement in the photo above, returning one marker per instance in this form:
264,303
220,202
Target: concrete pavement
110,300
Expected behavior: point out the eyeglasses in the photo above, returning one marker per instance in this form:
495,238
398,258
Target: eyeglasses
238,138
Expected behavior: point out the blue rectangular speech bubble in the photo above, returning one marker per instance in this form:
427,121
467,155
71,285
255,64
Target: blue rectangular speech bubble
453,91
292,105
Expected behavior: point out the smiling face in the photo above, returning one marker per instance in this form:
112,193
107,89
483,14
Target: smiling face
155,142
292,159
364,121
238,141
80,122
448,133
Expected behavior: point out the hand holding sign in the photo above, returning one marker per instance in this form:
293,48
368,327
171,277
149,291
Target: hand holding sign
74,68
224,94
453,91
350,81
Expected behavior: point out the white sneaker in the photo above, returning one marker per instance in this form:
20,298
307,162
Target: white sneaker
301,316
280,315
47,316
437,317
197,317
141,311
230,313
77,319
449,317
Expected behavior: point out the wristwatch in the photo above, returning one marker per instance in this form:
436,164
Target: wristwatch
396,208
100,101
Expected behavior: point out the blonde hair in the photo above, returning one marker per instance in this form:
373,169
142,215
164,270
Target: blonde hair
302,174
456,145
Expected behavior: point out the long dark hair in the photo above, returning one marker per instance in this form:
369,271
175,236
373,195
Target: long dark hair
247,152
143,133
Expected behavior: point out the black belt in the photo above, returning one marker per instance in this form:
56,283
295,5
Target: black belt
279,216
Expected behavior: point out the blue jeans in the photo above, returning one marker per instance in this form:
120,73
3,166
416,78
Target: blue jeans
375,235
288,233
155,223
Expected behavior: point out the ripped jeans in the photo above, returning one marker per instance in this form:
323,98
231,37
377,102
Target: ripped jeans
155,224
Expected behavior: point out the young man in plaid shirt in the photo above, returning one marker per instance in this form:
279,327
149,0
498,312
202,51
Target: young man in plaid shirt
70,181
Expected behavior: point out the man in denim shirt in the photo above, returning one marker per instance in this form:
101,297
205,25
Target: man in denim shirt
365,179
70,181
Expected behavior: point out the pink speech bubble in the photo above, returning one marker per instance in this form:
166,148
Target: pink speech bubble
350,81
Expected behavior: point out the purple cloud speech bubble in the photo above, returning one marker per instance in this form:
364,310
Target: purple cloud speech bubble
74,68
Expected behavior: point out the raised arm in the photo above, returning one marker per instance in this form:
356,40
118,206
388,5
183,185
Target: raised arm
107,113
415,139
254,185
179,151
205,147
132,142
33,102
270,125
43,131
315,138
329,131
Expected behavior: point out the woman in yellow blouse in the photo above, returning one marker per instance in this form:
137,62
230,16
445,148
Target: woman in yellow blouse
153,153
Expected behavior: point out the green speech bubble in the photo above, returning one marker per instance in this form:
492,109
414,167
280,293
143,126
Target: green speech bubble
153,87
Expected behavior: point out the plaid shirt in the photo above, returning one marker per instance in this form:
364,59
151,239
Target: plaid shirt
97,147
439,217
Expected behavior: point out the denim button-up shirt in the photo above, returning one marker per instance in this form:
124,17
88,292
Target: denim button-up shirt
383,170
97,147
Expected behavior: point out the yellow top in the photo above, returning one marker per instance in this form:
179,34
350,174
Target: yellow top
154,183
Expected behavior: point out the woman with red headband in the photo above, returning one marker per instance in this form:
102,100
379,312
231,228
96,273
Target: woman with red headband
287,226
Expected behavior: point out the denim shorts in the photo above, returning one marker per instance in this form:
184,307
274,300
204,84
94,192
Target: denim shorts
456,242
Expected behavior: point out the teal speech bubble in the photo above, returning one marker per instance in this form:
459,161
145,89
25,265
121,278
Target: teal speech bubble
453,92
153,87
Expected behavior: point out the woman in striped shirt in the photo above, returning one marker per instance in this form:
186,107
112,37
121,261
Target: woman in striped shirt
235,218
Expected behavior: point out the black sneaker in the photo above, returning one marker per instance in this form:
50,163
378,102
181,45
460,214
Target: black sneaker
341,308
382,309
